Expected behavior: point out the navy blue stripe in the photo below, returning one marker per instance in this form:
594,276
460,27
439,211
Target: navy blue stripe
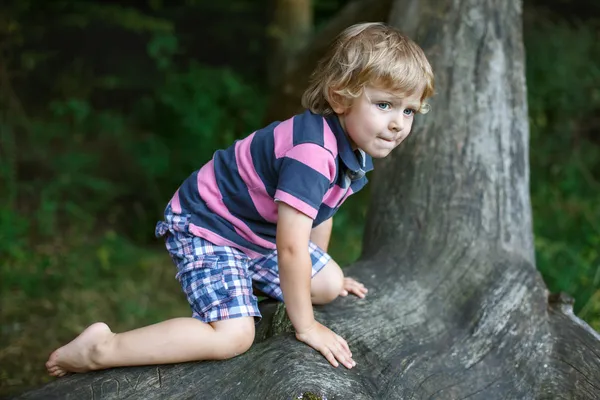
368,163
303,182
325,212
262,150
188,193
308,128
359,184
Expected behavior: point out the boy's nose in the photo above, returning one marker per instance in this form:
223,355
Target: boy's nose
397,124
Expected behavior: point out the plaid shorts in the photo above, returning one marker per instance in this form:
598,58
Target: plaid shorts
218,280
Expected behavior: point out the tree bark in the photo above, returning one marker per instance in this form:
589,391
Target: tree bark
456,308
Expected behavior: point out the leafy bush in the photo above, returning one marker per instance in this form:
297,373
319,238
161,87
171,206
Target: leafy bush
82,161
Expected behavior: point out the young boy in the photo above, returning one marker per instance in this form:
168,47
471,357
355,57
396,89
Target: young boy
260,212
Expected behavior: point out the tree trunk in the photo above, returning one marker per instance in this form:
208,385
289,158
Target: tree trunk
456,308
291,28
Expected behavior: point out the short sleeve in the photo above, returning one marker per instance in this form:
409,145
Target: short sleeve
305,175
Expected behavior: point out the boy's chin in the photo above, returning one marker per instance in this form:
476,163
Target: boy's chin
378,153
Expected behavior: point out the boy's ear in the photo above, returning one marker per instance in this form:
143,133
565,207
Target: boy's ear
337,102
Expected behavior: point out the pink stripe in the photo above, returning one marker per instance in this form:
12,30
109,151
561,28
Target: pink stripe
175,204
336,195
209,191
220,241
207,184
329,140
264,204
315,157
296,203
284,137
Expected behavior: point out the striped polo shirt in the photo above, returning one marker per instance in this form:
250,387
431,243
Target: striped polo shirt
306,161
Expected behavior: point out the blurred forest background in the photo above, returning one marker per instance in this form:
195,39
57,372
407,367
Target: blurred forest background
106,106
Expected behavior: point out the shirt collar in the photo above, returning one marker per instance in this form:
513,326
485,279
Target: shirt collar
357,162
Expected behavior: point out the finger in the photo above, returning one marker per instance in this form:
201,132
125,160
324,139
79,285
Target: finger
352,280
357,292
346,361
341,355
344,344
330,357
344,351
344,293
361,287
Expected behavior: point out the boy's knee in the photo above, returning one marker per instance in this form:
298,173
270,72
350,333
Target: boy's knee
236,340
333,290
328,286
242,341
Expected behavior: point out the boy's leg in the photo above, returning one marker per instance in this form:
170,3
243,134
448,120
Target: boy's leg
330,282
327,284
172,341
219,290
327,281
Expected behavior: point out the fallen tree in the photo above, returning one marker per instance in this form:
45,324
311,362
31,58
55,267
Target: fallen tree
456,308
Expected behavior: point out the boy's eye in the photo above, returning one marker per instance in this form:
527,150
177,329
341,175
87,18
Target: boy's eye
383,105
409,112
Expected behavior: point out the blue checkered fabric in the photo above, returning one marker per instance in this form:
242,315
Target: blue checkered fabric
265,272
218,280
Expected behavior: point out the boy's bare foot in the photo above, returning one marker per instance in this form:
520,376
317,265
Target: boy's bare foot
78,355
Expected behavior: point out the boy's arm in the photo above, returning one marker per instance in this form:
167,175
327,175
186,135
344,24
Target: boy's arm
295,266
293,231
321,234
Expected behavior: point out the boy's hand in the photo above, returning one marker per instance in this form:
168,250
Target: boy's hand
354,287
328,343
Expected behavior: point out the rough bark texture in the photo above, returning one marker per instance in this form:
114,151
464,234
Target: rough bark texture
456,307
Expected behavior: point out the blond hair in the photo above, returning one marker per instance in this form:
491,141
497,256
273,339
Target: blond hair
369,54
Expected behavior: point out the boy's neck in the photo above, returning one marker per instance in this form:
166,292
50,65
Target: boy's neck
340,118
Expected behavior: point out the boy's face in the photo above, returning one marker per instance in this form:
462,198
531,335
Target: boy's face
378,121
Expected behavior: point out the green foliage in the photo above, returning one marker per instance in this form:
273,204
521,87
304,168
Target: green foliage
84,161
348,226
62,286
128,18
85,167
563,71
200,110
